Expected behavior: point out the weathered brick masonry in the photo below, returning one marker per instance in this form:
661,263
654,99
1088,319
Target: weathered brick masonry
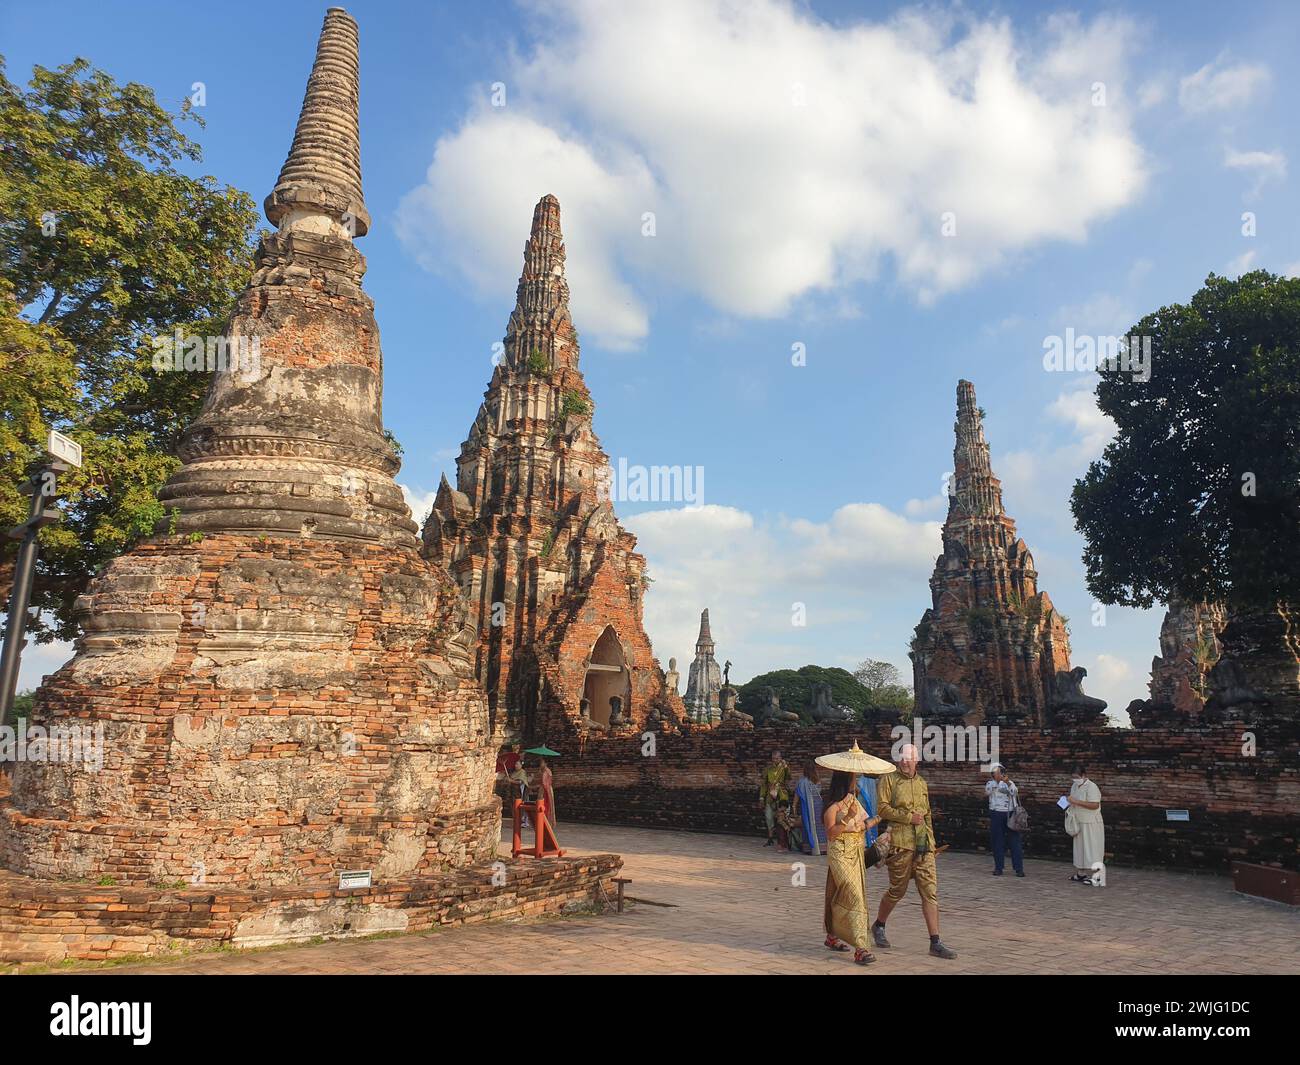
49,921
1241,808
554,584
284,685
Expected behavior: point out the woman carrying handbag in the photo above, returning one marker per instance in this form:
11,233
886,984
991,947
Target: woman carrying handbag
1003,806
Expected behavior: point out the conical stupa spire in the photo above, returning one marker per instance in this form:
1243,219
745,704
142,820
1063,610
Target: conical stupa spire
294,442
323,172
540,322
705,639
975,490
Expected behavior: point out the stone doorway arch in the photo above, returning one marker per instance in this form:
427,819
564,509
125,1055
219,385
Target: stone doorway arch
607,675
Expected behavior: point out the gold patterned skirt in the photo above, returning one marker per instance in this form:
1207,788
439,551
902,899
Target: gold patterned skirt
846,916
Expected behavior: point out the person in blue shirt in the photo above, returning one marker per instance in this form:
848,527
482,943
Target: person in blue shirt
867,796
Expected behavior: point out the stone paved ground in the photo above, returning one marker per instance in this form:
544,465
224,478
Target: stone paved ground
727,906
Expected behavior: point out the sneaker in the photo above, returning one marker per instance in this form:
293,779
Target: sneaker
878,936
1021,874
940,951
1077,879
997,872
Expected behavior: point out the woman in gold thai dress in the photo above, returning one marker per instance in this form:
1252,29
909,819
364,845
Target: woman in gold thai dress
847,921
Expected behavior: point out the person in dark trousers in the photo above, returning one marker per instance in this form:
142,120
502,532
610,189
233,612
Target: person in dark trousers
1001,792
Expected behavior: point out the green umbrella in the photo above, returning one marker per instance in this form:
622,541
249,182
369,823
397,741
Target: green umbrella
545,752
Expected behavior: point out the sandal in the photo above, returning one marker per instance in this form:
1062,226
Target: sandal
836,944
863,957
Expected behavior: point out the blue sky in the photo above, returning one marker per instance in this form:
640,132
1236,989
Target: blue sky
800,162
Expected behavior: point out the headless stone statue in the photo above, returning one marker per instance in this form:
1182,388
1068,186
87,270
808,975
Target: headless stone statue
943,700
823,711
727,706
1068,704
770,715
615,711
584,706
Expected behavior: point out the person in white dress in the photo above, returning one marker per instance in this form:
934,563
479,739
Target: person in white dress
1090,842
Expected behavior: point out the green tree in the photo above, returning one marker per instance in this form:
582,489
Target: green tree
23,705
104,244
884,684
1198,495
794,687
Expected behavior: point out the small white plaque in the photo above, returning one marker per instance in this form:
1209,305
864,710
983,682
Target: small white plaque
63,449
1177,815
354,878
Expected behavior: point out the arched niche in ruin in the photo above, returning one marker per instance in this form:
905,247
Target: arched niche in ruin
607,676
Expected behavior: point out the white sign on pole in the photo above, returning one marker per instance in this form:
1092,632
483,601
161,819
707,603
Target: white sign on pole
63,449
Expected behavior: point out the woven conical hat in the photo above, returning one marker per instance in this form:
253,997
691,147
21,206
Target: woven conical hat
856,760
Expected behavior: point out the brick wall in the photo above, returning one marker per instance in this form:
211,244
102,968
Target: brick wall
310,717
48,921
1241,808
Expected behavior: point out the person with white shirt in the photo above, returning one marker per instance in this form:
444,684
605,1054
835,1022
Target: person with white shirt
1001,792
1084,801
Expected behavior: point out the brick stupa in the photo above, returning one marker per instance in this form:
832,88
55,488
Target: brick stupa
991,647
284,682
1189,649
554,582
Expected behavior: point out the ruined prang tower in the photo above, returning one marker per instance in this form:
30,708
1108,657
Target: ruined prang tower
704,680
991,645
284,683
554,583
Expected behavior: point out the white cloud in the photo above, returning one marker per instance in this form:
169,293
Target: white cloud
1102,314
753,573
1037,482
1219,86
1262,166
783,157
1115,680
1242,264
1273,163
1153,93
473,211
39,660
1079,410
420,502
920,508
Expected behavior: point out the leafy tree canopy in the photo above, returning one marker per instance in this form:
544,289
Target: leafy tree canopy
794,687
884,683
1198,495
104,244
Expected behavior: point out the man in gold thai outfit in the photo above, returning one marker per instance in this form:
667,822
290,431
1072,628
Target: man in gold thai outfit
773,792
904,803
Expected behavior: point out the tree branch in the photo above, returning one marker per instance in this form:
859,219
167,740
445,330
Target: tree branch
82,307
53,306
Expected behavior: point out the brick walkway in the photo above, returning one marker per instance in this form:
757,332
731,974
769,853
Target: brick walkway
732,909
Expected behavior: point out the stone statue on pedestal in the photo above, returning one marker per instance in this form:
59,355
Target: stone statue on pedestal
727,706
823,712
1068,704
588,722
769,714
